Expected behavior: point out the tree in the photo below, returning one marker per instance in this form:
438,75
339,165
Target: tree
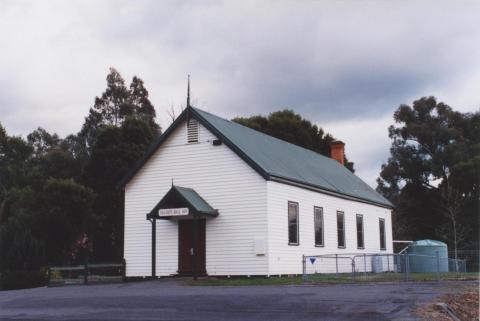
291,127
140,103
109,105
435,152
116,133
114,153
117,103
14,155
42,141
64,213
59,196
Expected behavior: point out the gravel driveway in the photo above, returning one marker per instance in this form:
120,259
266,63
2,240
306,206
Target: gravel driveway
173,300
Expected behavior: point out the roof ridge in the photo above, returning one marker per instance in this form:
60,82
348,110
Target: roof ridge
264,134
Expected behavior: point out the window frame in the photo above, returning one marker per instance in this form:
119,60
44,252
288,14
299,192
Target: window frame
363,231
343,231
298,223
381,222
322,244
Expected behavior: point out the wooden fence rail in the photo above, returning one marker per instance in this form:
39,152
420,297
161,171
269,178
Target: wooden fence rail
87,269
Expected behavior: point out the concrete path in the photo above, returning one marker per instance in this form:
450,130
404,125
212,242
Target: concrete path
173,300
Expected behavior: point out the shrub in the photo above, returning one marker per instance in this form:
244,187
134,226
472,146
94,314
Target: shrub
11,280
21,257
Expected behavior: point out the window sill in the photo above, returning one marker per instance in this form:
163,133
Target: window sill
318,245
360,248
293,244
342,247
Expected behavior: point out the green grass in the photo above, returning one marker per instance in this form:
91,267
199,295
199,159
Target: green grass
445,276
332,278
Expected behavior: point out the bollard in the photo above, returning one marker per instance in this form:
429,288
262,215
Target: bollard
438,265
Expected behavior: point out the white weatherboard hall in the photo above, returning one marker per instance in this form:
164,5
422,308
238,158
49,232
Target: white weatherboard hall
214,197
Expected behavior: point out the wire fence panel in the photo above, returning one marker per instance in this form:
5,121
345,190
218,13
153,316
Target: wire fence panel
383,267
85,274
470,257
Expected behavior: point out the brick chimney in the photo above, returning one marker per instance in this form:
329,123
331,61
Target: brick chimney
337,149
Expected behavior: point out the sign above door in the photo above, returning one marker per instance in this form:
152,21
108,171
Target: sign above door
182,211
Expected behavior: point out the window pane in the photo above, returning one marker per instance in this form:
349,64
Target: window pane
360,232
340,229
318,220
382,234
292,223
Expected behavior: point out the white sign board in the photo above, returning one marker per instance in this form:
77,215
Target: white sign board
173,211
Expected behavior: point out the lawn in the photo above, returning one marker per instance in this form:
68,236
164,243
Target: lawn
332,278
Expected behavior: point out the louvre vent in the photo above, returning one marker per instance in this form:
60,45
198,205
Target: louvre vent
192,131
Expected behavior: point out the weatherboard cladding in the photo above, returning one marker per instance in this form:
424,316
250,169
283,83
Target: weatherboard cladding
278,160
222,179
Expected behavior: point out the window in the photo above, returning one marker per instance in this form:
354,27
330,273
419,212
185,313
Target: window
192,131
360,244
383,242
341,229
318,225
292,223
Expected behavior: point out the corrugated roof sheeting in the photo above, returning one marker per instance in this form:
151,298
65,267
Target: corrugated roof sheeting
284,160
195,200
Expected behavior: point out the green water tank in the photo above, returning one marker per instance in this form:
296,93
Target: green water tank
422,256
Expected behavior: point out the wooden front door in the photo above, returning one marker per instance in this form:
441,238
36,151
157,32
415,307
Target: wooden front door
186,245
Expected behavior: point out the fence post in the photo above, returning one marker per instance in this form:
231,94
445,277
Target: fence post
124,270
353,269
438,265
49,274
304,268
336,265
388,262
407,267
85,274
364,265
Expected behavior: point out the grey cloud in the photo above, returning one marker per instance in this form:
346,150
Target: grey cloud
331,61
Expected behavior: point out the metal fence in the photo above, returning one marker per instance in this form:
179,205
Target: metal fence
357,267
471,257
85,274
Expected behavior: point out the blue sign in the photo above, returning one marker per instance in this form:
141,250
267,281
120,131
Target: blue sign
312,260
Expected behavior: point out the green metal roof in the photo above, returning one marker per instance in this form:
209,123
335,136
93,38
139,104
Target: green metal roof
195,200
188,197
289,162
276,159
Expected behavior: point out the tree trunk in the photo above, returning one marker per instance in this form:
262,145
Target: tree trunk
455,246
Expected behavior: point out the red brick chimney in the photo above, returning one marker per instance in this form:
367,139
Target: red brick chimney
337,149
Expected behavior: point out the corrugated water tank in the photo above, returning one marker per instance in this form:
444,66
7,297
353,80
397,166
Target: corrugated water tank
422,256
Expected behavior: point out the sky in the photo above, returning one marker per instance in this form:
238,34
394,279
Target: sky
345,65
